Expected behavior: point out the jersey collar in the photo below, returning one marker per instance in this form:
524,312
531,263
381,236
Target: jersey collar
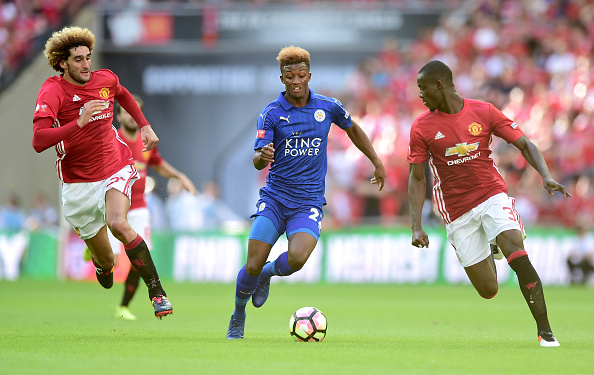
286,105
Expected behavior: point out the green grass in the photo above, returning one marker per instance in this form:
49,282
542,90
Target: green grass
68,328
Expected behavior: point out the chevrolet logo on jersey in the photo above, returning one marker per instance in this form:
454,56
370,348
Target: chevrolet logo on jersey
461,149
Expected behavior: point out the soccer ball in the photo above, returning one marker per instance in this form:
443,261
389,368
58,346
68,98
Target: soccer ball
308,324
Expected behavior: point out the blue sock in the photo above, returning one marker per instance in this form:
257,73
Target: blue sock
280,267
243,291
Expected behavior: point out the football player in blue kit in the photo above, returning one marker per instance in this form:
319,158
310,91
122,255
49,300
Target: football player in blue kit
292,136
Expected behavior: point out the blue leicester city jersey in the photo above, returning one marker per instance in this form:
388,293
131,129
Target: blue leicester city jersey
300,138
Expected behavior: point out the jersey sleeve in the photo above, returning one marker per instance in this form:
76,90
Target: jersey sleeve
341,116
265,130
504,127
46,136
127,101
418,152
48,101
155,157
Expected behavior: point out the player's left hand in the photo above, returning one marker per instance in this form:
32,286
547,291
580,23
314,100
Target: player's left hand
379,176
552,186
149,138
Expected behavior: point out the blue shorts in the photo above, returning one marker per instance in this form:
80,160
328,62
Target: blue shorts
272,219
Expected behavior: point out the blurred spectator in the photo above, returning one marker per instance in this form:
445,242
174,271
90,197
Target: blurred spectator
12,216
155,205
13,240
215,212
581,258
43,215
183,208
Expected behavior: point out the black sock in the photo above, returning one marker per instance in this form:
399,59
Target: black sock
132,281
531,288
140,258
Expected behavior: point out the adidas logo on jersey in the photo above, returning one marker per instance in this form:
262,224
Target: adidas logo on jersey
439,135
75,98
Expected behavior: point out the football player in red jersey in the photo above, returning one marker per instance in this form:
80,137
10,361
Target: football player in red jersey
74,113
454,137
139,216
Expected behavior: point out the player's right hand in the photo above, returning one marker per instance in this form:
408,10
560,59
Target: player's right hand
420,238
267,153
88,109
149,138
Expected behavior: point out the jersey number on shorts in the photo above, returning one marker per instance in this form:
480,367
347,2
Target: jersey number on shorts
314,216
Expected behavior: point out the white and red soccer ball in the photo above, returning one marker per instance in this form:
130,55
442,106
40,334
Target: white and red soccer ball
308,324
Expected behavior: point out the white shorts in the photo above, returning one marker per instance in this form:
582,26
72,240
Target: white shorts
83,203
472,233
140,221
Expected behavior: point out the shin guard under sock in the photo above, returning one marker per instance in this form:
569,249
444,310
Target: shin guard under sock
531,288
280,267
140,258
244,288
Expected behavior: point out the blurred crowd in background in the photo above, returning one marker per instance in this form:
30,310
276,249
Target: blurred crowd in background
25,25
179,211
533,59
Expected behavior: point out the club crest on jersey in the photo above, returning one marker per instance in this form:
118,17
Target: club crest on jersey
104,93
320,115
261,133
261,207
475,128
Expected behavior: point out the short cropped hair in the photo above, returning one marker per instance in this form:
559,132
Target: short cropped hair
292,55
58,46
438,71
138,100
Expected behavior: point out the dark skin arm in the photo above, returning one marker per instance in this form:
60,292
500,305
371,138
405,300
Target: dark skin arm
263,156
416,199
361,141
416,186
534,157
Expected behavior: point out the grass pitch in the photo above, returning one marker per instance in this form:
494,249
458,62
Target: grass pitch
68,328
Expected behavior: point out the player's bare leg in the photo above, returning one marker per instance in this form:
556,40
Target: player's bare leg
301,245
116,212
511,244
483,277
103,257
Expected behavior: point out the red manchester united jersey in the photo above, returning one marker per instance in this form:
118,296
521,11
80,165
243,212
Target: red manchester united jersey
94,152
457,147
142,161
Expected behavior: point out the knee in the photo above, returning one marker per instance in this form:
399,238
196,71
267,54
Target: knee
253,268
118,226
297,261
